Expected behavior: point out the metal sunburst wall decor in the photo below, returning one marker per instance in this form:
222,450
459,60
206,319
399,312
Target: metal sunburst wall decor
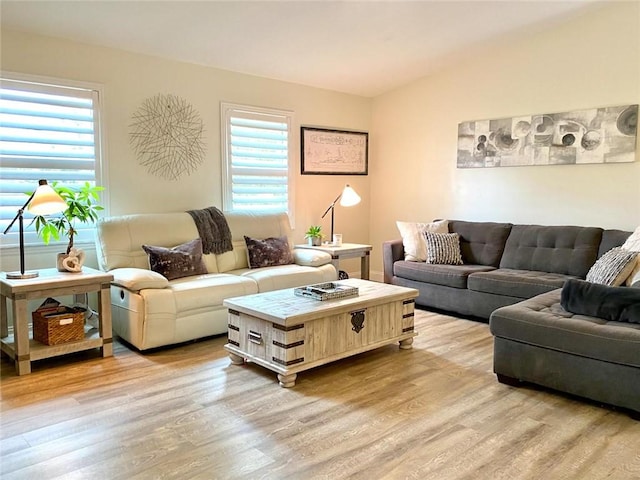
167,136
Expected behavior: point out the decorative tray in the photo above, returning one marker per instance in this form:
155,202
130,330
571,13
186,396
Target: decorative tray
326,291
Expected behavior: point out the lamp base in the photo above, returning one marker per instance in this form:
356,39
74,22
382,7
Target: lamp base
21,276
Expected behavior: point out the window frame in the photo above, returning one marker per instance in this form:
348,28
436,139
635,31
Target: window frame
53,86
227,110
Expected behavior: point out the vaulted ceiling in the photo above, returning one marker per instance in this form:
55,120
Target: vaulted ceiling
363,47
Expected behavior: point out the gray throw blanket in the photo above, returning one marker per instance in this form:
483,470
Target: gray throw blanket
213,230
619,304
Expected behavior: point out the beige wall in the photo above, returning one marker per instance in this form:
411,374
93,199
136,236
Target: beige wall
128,79
591,61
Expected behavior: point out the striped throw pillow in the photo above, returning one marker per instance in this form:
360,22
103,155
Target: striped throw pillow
613,267
443,248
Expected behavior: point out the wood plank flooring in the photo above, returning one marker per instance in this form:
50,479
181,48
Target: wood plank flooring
433,412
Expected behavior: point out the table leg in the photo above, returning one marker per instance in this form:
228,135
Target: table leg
335,261
104,319
287,381
21,335
236,359
364,266
4,327
406,344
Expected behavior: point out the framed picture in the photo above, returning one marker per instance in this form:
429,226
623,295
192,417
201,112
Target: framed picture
333,152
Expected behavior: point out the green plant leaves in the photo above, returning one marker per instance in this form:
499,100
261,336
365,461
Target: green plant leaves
82,208
314,232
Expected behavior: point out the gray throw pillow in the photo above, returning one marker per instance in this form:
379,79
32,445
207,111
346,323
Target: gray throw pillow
269,252
180,261
443,248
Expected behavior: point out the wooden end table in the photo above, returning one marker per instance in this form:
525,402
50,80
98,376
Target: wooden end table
346,250
50,283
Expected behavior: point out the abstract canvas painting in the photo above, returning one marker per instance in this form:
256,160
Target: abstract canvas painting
597,135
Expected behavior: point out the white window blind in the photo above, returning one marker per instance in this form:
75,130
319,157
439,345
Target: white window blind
46,132
256,159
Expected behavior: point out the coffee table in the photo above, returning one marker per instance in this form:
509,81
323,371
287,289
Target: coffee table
289,334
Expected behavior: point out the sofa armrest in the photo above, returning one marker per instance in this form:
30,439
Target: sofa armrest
392,251
310,258
136,279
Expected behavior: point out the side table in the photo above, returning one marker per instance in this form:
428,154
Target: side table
346,250
20,346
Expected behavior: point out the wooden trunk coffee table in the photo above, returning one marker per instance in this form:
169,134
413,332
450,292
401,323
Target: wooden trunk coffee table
289,334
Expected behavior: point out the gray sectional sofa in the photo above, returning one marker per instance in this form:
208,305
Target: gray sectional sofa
512,275
538,341
503,264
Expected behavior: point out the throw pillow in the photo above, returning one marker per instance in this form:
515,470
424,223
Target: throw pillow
635,272
269,252
415,247
633,242
613,267
443,248
180,261
633,245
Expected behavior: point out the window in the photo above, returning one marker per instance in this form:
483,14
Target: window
256,159
48,131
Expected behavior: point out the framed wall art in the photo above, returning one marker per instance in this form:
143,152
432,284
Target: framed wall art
596,135
333,152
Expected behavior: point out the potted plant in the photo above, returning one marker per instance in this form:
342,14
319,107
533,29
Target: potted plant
314,235
82,208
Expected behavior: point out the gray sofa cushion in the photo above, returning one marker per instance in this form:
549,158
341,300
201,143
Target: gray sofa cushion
481,243
557,249
516,283
612,239
541,321
449,275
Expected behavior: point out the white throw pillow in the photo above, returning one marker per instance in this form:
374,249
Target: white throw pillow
633,245
412,233
633,242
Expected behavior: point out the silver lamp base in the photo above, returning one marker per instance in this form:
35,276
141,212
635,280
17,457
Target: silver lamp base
21,276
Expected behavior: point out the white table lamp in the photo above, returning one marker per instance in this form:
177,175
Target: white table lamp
44,201
348,198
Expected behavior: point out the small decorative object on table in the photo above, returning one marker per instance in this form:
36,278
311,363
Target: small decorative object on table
326,291
314,235
71,262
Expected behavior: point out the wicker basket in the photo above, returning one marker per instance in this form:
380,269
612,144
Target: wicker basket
59,327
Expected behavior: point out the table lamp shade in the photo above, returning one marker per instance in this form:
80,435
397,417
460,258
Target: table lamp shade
349,197
46,201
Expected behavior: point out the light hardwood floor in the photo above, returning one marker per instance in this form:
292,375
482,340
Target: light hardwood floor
433,412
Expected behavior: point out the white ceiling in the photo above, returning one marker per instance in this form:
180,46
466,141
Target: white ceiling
360,47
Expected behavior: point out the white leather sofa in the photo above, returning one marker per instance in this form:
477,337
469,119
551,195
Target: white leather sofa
150,311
